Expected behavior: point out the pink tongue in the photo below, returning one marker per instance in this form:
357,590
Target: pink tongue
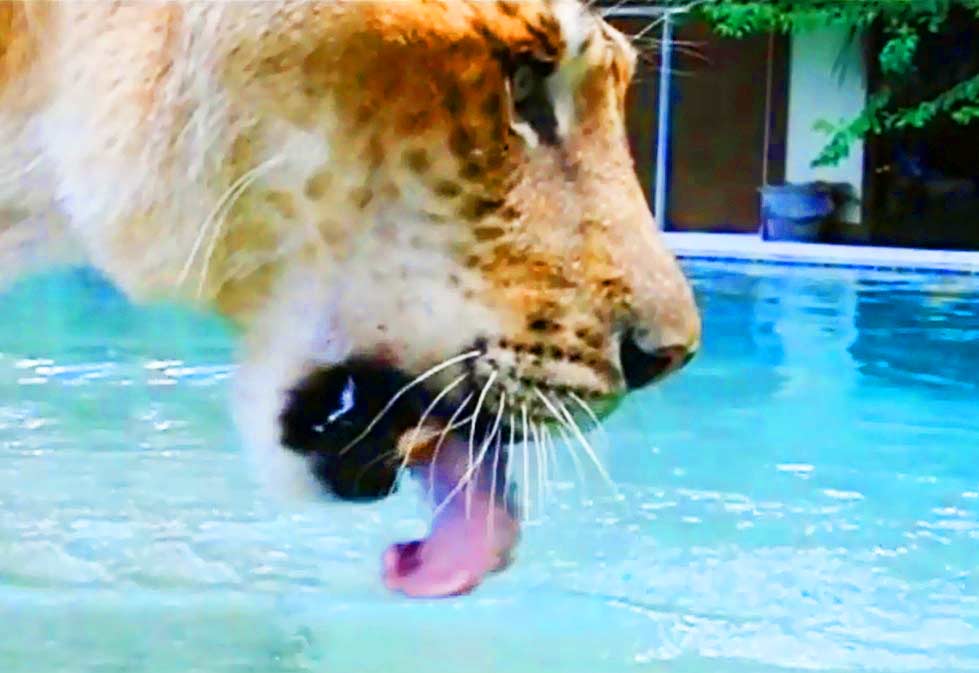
472,534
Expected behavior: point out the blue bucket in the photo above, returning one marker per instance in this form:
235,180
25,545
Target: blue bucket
794,212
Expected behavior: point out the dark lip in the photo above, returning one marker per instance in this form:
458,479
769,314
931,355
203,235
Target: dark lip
346,420
385,402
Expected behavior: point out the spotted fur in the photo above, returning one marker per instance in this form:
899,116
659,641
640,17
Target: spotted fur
401,180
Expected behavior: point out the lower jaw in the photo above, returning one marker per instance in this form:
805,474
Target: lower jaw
474,526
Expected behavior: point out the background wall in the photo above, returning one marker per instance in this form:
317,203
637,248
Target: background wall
718,128
827,80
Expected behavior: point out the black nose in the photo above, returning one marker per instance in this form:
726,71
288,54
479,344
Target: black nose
641,367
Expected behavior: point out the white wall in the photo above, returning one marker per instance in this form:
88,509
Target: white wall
828,82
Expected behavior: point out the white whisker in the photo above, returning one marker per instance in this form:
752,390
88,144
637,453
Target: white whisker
414,382
449,427
227,200
586,445
508,468
567,420
491,512
543,461
463,423
540,466
597,424
526,462
551,453
424,417
467,478
575,460
659,20
472,431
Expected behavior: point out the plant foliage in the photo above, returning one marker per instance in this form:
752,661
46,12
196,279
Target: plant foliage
904,23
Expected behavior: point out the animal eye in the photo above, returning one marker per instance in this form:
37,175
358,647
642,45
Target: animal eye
531,100
523,84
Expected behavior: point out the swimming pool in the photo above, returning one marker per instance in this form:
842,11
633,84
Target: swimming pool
805,496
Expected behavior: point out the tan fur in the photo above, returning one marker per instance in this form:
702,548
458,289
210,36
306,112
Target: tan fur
343,177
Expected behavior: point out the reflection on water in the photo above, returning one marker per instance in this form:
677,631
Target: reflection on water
749,310
909,329
913,335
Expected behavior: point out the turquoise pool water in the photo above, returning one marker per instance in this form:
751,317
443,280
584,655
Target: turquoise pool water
804,497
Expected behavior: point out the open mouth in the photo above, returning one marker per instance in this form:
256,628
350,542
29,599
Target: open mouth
360,425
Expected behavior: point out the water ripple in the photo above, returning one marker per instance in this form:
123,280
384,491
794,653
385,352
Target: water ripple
805,497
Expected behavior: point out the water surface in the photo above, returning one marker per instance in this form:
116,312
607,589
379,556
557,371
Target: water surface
804,497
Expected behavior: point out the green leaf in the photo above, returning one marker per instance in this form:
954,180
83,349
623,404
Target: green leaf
897,55
823,126
904,22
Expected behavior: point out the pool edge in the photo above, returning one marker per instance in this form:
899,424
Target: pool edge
750,248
